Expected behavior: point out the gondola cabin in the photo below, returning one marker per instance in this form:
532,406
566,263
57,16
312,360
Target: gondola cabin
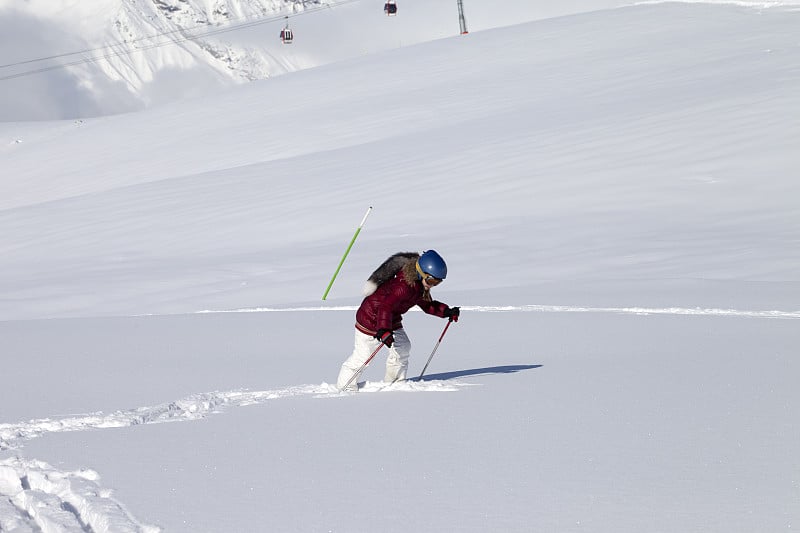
390,8
286,34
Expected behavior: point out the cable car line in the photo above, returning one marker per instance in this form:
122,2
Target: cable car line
99,48
185,38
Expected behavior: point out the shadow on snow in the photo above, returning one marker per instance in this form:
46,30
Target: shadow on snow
506,369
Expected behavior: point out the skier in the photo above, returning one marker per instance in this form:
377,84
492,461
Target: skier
401,282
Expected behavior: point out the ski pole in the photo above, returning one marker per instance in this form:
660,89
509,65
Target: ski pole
358,230
360,370
435,348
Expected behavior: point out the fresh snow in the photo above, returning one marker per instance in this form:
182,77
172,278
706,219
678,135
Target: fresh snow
613,187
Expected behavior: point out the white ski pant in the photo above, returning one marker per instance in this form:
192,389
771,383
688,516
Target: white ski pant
396,363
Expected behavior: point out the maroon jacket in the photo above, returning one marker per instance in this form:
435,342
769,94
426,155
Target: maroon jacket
384,308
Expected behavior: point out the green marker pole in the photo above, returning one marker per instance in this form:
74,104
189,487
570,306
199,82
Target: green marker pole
358,230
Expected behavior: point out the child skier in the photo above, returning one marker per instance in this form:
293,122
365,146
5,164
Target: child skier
401,282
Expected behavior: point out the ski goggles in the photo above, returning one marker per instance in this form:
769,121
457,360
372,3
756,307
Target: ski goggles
430,280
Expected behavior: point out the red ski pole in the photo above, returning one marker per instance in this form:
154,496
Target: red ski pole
378,349
435,348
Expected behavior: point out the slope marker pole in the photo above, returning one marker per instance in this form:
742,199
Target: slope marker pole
353,240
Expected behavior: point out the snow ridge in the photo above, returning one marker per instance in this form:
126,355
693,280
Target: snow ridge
34,496
744,3
192,407
687,311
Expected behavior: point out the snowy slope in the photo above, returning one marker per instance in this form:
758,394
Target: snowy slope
610,147
133,54
614,193
63,59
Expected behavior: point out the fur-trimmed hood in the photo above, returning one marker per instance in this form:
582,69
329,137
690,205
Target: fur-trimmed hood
410,274
404,261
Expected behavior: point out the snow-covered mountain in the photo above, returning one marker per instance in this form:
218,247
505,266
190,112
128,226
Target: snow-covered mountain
186,37
67,59
122,55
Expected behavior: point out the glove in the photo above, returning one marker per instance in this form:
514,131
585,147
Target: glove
385,336
452,313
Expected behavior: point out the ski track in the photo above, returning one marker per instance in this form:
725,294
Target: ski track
683,311
193,407
36,497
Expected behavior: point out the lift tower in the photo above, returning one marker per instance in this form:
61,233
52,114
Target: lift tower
462,23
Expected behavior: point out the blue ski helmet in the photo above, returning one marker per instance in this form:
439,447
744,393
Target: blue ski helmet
431,263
